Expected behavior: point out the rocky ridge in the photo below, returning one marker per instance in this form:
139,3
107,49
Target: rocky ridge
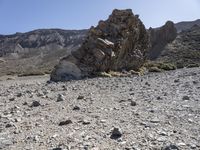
38,50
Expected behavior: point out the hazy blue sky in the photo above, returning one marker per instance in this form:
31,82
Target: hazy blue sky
26,15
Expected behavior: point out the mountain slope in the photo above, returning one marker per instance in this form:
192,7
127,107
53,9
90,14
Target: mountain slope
186,25
37,50
185,49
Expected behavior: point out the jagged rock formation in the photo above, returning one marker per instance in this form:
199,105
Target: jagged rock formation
184,50
37,50
121,42
160,37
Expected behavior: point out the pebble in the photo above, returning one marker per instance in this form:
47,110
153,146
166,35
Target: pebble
155,120
80,97
85,122
35,104
12,99
133,103
62,123
60,98
170,147
186,98
116,133
76,108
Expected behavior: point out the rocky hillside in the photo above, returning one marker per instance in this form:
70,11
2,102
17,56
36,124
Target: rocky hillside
186,25
37,50
120,42
185,49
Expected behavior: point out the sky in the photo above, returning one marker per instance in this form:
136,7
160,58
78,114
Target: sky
27,15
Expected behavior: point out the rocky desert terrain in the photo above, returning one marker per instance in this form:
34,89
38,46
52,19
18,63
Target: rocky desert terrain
157,111
114,94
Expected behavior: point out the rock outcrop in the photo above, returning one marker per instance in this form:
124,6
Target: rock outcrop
121,42
160,37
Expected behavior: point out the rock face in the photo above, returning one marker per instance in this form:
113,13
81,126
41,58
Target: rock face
184,50
160,37
40,39
121,42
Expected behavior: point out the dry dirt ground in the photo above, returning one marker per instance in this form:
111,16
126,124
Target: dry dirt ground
158,111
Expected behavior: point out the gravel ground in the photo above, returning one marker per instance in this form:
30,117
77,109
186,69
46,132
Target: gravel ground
158,111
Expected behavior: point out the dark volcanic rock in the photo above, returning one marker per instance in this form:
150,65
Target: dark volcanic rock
121,42
160,37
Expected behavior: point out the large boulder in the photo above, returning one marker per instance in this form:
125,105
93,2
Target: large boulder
160,37
121,42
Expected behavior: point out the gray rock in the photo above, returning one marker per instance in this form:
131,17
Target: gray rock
35,104
60,98
66,122
170,147
186,98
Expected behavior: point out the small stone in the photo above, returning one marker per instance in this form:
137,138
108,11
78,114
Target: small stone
159,98
18,119
186,98
80,97
57,148
161,139
147,83
163,133
25,103
86,122
19,94
155,120
195,82
176,80
62,123
103,121
193,146
8,125
181,144
36,138
116,133
35,104
12,99
190,120
60,98
133,103
76,108
170,147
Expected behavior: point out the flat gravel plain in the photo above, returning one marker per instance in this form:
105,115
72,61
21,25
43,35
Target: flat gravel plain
157,111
